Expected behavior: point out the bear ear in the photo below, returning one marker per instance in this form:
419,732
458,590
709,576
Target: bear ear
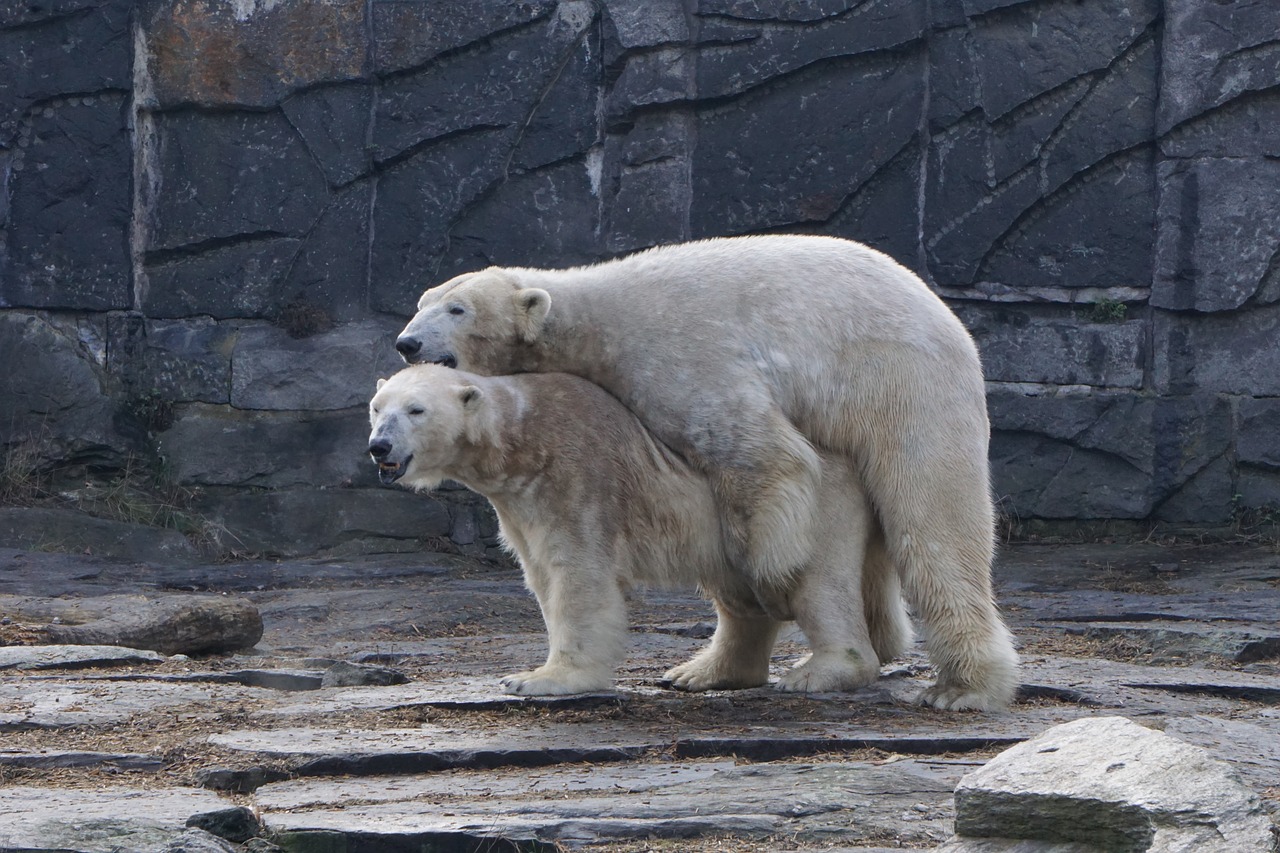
469,394
532,305
381,382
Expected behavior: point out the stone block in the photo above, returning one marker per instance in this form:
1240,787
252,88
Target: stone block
178,361
1094,232
1258,435
1023,344
1232,353
1214,54
648,192
58,406
563,123
542,218
70,201
330,271
648,25
1258,488
230,177
242,279
1092,454
1217,237
497,82
758,43
418,200
410,33
36,40
844,121
220,446
250,54
1026,49
884,211
273,370
1109,784
1205,498
70,531
334,123
306,520
1017,198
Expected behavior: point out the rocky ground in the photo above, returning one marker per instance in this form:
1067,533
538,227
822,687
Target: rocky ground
107,751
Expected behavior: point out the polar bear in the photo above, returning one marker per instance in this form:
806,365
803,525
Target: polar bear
591,505
750,355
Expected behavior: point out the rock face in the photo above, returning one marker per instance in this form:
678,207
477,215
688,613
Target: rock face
205,253
1110,784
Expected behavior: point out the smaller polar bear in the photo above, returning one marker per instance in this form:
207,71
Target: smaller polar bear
592,504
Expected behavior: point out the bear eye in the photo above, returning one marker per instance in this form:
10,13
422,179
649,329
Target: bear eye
416,410
457,310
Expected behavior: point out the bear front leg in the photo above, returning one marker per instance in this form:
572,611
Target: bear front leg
586,619
737,657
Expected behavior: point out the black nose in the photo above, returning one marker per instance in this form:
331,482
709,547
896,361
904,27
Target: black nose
379,448
408,346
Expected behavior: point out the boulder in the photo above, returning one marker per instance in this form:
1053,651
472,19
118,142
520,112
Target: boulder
1109,784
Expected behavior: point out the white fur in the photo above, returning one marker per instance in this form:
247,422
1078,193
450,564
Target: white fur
744,355
591,504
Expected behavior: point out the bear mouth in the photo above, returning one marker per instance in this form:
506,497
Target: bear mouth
389,472
447,360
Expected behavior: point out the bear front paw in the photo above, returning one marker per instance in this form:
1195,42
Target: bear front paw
544,682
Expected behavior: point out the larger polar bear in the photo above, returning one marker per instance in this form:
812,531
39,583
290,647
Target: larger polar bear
591,504
747,356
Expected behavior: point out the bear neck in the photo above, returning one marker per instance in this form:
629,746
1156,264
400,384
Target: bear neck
569,341
500,458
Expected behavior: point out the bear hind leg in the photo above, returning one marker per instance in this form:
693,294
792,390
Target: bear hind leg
737,656
827,598
887,619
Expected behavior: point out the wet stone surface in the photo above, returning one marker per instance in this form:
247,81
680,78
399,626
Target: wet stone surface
117,752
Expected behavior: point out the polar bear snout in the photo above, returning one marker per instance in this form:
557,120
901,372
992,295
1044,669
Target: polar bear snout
409,348
388,470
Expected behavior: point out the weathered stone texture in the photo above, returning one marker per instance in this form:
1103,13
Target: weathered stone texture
218,445
1109,784
1094,454
1027,344
1092,183
1218,237
335,370
250,54
1233,353
69,207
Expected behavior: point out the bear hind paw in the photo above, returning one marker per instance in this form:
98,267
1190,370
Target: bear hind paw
830,673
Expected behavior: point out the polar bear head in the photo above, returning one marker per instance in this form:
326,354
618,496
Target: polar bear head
479,321
420,421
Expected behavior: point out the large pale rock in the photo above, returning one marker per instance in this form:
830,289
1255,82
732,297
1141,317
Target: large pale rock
1113,785
172,624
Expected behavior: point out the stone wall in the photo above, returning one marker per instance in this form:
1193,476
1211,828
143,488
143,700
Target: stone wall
215,215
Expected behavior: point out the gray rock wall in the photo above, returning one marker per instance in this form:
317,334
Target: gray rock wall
215,214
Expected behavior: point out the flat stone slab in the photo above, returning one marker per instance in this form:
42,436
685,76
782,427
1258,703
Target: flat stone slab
579,805
51,703
99,820
73,657
53,759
